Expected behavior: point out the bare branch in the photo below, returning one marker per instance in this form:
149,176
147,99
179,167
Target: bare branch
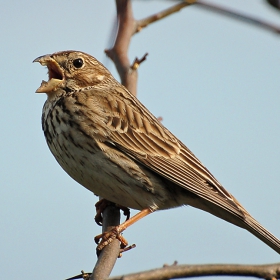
270,271
140,24
126,27
239,16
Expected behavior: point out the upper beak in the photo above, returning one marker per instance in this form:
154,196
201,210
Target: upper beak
56,76
43,59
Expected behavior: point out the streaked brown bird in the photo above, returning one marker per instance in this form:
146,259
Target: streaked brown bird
111,144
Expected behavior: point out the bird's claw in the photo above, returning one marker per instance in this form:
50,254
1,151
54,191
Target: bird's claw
108,237
102,204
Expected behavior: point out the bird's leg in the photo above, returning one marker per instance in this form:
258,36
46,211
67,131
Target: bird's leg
115,233
102,204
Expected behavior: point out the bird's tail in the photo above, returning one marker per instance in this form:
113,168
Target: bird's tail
244,220
263,234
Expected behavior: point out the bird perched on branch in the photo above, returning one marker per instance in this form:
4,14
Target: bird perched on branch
111,144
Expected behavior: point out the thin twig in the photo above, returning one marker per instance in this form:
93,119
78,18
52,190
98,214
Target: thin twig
136,63
269,271
82,275
142,23
239,16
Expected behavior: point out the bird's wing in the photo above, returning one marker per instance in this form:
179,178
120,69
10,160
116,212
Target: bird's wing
136,132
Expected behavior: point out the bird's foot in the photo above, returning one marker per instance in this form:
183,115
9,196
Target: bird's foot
100,207
116,231
108,237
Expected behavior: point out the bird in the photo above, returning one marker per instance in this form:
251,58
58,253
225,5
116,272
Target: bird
111,144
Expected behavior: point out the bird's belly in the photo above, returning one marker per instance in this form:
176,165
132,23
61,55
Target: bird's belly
111,174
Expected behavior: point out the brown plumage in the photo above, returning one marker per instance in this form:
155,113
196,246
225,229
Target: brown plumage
106,140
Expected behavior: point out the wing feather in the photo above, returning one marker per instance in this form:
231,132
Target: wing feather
135,131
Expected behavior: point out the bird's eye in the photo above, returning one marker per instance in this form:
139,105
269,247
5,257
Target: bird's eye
78,63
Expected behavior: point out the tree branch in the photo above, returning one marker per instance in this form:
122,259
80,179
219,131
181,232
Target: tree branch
269,271
118,53
127,27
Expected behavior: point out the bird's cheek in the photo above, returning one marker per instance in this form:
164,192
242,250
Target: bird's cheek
93,79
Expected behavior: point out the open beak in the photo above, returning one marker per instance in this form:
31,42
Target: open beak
56,76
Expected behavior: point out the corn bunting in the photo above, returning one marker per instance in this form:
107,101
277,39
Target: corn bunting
107,141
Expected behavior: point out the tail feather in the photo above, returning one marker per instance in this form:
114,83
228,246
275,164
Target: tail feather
243,220
263,234
240,218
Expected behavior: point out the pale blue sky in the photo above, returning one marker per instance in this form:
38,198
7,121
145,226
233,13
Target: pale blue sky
215,81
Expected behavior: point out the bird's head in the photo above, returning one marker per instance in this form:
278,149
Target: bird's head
71,70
